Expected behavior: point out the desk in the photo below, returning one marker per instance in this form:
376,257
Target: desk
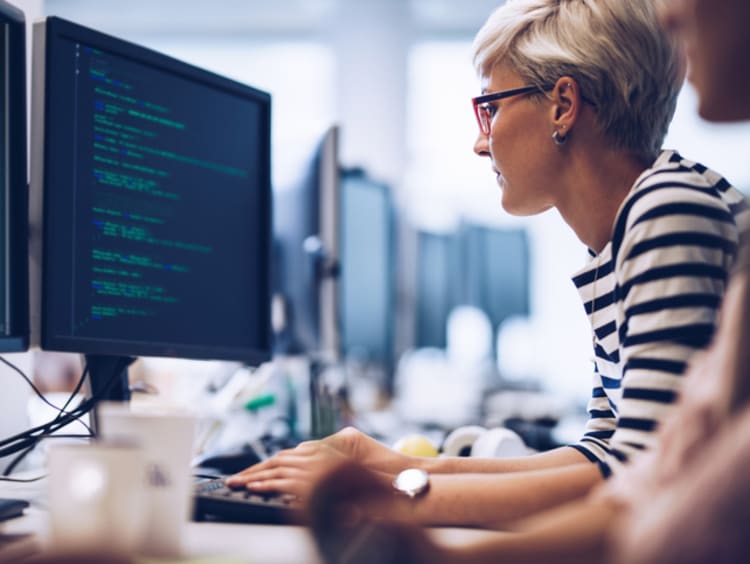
222,543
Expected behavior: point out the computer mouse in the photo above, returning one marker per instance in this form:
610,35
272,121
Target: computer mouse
228,461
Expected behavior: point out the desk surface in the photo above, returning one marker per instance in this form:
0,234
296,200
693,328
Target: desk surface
216,542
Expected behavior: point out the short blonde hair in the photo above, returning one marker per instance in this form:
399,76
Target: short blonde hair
624,63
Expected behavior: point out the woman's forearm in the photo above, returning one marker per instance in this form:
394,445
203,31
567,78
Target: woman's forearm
497,500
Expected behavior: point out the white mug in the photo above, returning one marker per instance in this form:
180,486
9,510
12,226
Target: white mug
97,498
167,438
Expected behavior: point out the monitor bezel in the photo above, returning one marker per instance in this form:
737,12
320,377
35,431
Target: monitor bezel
47,34
15,191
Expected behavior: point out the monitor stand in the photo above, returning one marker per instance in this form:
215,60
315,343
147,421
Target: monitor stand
327,397
107,381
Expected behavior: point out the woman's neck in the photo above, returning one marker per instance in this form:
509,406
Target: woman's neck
597,183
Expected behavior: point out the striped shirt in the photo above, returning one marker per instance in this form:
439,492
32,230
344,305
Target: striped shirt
652,296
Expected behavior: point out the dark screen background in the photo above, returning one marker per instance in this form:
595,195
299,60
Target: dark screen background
157,208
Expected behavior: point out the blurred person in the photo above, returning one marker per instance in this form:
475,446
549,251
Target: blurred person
577,98
702,497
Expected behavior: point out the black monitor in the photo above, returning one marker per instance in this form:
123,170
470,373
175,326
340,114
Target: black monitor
151,183
438,285
14,302
306,230
367,286
481,266
496,271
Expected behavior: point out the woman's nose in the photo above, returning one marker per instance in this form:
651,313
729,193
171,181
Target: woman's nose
481,145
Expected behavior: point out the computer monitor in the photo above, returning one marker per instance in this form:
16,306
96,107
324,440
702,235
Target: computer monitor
496,271
14,302
481,266
438,285
306,229
151,185
367,286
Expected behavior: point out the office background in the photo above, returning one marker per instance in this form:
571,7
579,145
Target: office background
396,75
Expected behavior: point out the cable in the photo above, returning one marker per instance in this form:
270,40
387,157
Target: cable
22,480
31,437
29,382
12,466
73,394
60,411
61,416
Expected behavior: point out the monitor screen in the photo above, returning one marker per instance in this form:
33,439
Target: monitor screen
154,177
306,229
14,305
496,273
367,286
481,266
438,286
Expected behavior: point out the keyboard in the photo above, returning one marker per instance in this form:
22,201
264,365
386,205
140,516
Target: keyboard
214,501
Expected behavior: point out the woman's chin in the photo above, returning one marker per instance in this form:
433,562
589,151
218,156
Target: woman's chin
520,209
515,210
509,204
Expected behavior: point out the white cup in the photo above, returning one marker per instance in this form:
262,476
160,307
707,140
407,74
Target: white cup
97,497
499,443
167,438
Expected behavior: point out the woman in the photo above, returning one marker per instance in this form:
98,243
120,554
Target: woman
578,97
687,501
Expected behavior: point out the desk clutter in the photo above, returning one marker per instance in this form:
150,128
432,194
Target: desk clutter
130,490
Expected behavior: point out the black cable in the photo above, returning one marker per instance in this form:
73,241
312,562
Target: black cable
73,394
29,382
17,460
77,389
29,438
68,417
60,411
83,408
22,480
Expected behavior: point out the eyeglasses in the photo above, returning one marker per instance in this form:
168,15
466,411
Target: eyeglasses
485,112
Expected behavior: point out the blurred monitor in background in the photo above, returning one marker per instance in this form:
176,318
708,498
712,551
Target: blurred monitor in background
480,266
306,248
438,286
368,280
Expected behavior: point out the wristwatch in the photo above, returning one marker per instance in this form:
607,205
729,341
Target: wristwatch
412,482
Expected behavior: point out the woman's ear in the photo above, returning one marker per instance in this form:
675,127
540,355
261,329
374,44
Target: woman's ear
566,104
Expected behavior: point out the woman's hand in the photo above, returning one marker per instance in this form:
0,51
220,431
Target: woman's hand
291,471
294,471
368,452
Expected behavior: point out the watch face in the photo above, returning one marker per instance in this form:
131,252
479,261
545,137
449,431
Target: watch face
412,481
